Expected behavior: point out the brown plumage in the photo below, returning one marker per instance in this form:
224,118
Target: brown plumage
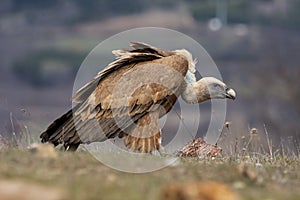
128,97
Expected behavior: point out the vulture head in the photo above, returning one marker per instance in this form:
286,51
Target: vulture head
217,89
205,89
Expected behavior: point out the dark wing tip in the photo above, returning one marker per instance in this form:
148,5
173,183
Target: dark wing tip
140,45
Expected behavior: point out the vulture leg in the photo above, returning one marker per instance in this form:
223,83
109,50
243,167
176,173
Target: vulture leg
71,147
144,136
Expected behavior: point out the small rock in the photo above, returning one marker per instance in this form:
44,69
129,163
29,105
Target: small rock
239,185
43,150
11,190
206,190
248,171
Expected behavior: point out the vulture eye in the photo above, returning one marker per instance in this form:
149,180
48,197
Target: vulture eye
217,87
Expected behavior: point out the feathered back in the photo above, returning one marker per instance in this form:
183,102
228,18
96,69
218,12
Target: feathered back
140,52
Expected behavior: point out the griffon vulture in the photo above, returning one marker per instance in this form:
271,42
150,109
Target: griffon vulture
127,98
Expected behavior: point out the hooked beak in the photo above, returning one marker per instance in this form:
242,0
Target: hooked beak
230,93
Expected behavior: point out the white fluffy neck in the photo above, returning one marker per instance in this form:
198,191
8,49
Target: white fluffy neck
190,78
195,92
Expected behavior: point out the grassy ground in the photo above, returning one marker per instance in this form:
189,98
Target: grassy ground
80,176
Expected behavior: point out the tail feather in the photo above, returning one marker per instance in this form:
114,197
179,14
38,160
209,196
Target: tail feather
144,137
62,130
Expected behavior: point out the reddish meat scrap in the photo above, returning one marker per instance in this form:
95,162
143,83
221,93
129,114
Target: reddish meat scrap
199,148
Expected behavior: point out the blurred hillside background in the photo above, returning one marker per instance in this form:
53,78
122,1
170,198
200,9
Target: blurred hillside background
255,44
